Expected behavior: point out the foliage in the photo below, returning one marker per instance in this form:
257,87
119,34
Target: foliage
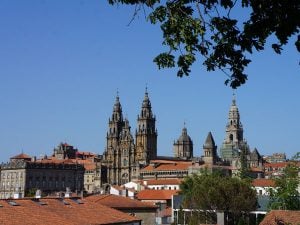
216,192
286,195
244,170
215,30
30,192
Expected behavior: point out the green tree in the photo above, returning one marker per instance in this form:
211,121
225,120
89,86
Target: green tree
215,192
286,195
216,30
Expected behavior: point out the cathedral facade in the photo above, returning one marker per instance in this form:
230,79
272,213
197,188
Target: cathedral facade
124,156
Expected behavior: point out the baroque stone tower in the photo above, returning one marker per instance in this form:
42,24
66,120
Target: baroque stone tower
112,153
183,147
146,133
234,143
119,154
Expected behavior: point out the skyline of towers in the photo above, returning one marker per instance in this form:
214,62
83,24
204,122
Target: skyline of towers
125,155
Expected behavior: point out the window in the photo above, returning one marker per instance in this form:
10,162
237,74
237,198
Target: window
124,162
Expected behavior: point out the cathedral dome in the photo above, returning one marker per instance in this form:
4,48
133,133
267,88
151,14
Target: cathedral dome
184,137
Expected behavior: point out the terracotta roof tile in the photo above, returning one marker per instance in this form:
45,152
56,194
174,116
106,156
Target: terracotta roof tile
255,169
55,211
55,161
263,182
156,194
276,165
284,216
21,156
119,202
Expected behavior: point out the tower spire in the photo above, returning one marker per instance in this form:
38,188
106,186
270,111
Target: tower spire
233,99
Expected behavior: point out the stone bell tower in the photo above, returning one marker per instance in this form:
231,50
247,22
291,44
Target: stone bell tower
146,133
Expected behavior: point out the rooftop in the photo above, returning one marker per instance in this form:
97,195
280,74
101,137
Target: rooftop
263,182
59,211
21,156
156,194
119,202
276,217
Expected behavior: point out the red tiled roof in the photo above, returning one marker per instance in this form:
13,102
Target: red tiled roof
119,202
168,161
168,166
255,169
284,216
164,182
55,161
156,194
263,182
56,212
88,165
277,165
21,156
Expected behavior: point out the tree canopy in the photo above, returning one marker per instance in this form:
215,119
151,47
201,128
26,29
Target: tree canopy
286,195
213,29
216,192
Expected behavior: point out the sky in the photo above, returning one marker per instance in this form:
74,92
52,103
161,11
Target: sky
63,62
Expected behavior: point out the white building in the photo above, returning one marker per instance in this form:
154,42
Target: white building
167,184
263,186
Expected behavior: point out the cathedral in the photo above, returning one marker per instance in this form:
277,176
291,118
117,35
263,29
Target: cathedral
125,156
235,146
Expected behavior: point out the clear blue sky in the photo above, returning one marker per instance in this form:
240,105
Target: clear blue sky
61,63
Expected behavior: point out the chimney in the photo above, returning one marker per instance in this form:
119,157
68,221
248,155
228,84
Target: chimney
259,175
68,193
38,193
18,193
